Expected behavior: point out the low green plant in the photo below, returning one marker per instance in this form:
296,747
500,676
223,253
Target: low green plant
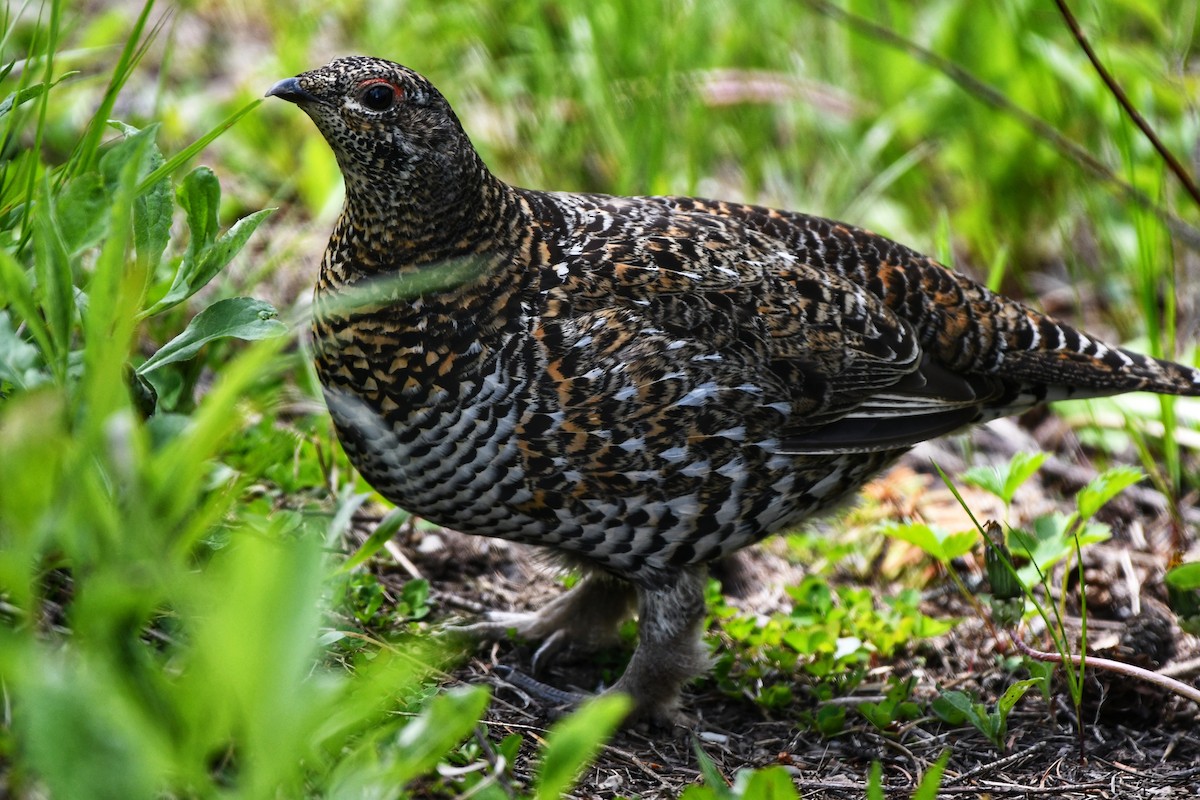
830,635
1183,592
955,708
160,631
927,789
896,706
1049,540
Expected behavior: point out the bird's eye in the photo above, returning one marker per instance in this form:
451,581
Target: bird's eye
378,97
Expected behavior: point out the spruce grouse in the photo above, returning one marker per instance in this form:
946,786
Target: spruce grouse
641,384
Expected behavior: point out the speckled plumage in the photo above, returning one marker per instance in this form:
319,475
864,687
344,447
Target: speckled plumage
645,384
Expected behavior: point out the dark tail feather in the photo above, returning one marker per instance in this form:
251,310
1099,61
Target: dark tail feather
1098,370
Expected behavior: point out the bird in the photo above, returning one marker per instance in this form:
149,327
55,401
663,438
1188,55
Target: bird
639,385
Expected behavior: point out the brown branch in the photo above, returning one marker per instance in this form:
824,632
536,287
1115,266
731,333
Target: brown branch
1123,100
1120,667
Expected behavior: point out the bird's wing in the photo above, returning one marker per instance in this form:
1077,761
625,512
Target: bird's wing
691,326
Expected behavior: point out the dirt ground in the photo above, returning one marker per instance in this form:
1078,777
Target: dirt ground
1137,742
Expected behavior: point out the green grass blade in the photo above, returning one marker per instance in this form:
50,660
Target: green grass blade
195,147
87,150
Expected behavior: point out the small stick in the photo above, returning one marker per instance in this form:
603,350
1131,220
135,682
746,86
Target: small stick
1120,667
1115,88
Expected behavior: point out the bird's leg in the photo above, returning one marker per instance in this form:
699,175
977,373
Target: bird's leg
587,617
670,647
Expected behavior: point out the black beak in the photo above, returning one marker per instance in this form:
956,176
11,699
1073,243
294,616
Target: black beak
289,89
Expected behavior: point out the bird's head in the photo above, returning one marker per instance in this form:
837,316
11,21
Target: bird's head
392,132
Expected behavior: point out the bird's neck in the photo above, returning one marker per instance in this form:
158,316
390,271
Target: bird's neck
430,219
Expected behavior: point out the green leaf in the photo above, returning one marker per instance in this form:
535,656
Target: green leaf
384,531
875,782
952,707
30,92
932,780
444,722
207,252
714,781
115,288
918,534
1185,576
200,198
1048,543
152,212
19,360
831,720
187,153
572,743
55,283
955,545
17,290
941,546
236,317
771,783
1004,481
1105,487
1183,595
83,211
1013,694
71,716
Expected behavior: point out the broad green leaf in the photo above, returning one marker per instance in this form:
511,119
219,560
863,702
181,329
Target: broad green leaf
199,196
957,544
940,546
152,212
770,783
1048,543
1185,576
136,144
953,707
227,245
207,252
1021,468
235,317
1004,481
1183,595
1013,694
153,207
572,743
918,534
83,210
443,723
1105,487
831,720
